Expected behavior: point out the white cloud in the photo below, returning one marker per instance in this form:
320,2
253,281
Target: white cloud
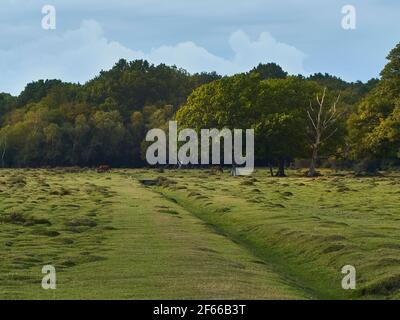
79,55
75,56
265,49
247,54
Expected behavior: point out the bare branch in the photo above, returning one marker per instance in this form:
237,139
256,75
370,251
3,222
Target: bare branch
312,121
321,120
329,136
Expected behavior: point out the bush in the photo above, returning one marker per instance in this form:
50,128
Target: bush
367,166
302,163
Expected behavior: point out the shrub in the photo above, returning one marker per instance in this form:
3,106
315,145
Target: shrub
367,166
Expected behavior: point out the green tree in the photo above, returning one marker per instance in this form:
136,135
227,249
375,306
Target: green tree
106,138
52,137
80,136
7,102
270,71
275,108
226,103
375,128
282,119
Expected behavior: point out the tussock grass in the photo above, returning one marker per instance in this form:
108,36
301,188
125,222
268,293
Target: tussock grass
242,237
329,222
111,237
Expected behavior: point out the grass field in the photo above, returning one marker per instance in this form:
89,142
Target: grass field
197,234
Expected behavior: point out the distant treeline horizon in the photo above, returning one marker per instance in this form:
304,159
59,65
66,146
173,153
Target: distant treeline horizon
105,120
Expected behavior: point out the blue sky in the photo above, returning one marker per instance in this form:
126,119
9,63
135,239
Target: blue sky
227,36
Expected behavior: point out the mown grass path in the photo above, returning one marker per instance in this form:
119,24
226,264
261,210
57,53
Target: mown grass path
150,248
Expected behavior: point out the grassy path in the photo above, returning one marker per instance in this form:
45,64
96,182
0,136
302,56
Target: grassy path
151,249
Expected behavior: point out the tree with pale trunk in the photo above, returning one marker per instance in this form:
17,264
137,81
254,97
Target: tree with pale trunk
323,126
3,147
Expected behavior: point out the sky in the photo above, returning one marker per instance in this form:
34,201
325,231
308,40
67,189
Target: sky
227,36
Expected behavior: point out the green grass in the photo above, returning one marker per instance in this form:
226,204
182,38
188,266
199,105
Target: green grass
308,229
197,234
110,238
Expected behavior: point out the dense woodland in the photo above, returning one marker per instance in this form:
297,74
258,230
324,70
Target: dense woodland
104,121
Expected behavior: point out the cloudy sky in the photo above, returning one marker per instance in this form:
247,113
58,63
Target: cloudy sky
227,36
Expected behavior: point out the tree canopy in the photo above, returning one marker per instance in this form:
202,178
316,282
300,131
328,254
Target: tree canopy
104,121
375,127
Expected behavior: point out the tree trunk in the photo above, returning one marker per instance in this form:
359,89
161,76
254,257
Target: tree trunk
2,159
281,168
3,153
312,172
271,171
233,170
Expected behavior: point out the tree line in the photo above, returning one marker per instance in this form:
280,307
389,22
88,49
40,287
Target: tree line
105,121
